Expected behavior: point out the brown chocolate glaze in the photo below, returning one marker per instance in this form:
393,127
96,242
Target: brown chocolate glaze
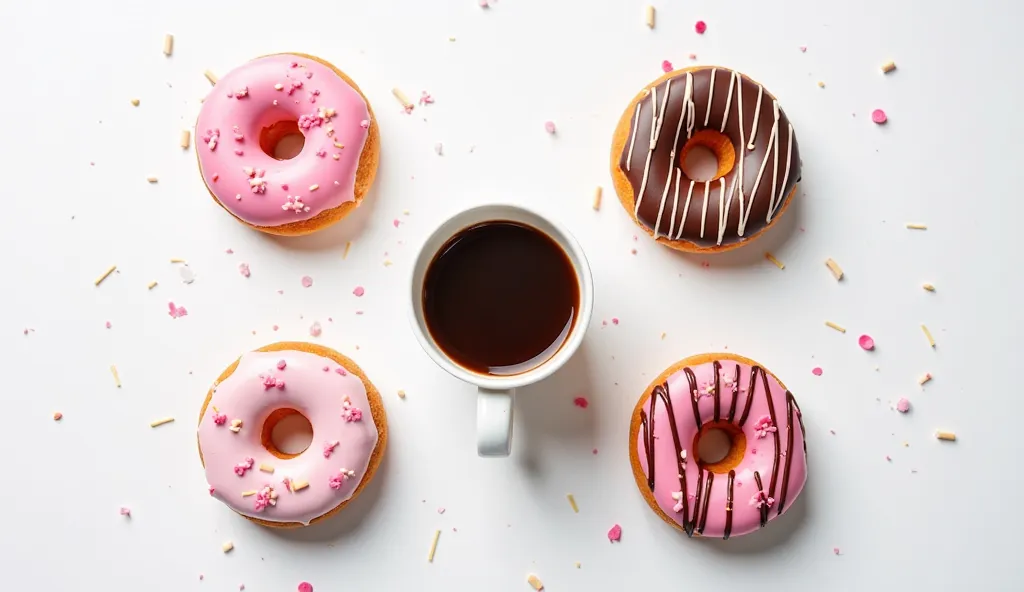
665,157
700,508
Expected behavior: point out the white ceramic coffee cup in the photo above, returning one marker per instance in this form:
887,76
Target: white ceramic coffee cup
495,393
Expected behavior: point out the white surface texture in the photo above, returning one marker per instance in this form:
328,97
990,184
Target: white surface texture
937,516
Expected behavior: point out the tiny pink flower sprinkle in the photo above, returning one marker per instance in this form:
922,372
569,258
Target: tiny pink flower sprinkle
816,371
329,448
764,426
426,99
315,330
365,124
700,27
615,534
351,413
281,364
242,467
219,418
549,127
307,281
903,405
108,324
615,320
126,512
327,368
341,371
666,66
243,268
866,342
305,587
761,499
211,489
359,291
879,116
396,222
275,327
321,153
581,402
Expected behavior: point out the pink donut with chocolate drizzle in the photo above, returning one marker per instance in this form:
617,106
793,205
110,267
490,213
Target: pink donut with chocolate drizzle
758,478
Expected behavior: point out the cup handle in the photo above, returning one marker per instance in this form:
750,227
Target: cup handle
494,422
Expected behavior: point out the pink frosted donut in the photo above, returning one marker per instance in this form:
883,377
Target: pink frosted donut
244,468
281,99
761,474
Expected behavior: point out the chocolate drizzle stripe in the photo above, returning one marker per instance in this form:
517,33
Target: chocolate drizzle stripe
789,447
717,368
754,370
696,498
776,436
764,507
647,423
656,122
707,501
675,144
735,393
728,505
694,394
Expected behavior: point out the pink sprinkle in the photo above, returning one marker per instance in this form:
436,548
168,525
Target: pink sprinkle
484,4
243,268
581,402
803,48
176,311
275,327
365,124
835,550
305,587
315,330
594,451
242,467
615,534
321,153
359,291
350,412
700,27
329,448
666,66
426,99
440,510
761,499
341,371
214,177
693,56
126,512
764,426
307,281
866,342
211,489
281,364
239,151
903,405
549,127
327,368
396,222
219,418
879,117
108,324
816,371
308,74
615,320
230,251
270,382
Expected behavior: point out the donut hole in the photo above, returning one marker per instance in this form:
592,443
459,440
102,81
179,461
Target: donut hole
282,140
707,156
286,433
719,446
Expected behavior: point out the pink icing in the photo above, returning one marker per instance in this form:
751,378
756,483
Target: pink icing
332,112
321,397
761,433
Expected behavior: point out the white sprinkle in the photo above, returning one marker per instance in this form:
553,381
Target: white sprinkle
168,44
314,187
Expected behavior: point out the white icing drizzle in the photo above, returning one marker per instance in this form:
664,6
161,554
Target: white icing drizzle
675,206
650,149
689,107
757,115
686,209
723,213
728,103
760,172
675,143
711,96
739,102
704,209
632,138
785,178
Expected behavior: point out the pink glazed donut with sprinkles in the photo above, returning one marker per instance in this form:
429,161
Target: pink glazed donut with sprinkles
760,466
287,144
248,472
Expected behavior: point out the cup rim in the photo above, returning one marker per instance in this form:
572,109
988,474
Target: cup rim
565,240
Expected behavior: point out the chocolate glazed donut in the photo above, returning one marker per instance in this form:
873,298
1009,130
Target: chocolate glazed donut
733,117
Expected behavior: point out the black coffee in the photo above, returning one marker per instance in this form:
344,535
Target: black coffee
500,298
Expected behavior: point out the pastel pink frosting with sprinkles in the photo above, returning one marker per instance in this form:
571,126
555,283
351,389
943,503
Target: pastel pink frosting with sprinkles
229,126
321,397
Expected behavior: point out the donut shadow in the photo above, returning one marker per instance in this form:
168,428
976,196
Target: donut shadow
768,539
547,417
753,254
346,521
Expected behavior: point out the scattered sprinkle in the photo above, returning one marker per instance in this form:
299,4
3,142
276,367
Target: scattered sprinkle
816,371
117,379
837,271
866,342
106,273
227,546
615,533
433,546
772,258
266,468
666,66
888,67
649,16
572,502
835,550
535,582
401,394
135,102
359,291
307,281
404,100
903,405
598,191
928,334
426,99
835,326
160,422
878,116
210,76
663,334
581,402
124,511
57,416
348,245
821,84
947,436
168,44
549,127
305,587
185,139
803,49
315,329
917,226
108,325
928,287
615,320
243,268
440,510
177,260
151,285
176,311
299,485
700,27
926,377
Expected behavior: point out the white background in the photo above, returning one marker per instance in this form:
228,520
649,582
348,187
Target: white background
949,158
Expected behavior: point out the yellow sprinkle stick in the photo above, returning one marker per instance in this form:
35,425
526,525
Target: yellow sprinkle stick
299,485
572,502
135,102
835,326
151,179
928,287
160,422
433,546
106,273
210,76
151,285
227,546
117,379
924,378
947,436
249,493
888,67
928,334
772,258
837,272
535,583
597,198
186,139
348,246
917,226
404,100
177,260
168,44
649,16
266,468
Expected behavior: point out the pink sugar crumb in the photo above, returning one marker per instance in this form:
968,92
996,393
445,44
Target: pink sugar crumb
594,451
615,320
359,291
327,368
127,512
426,99
329,448
803,48
307,281
108,325
666,66
365,124
700,27
176,311
305,587
281,364
903,405
244,466
219,418
350,413
211,489
315,330
581,402
341,371
835,550
878,116
615,534
764,426
396,222
549,127
816,371
440,510
243,268
866,342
